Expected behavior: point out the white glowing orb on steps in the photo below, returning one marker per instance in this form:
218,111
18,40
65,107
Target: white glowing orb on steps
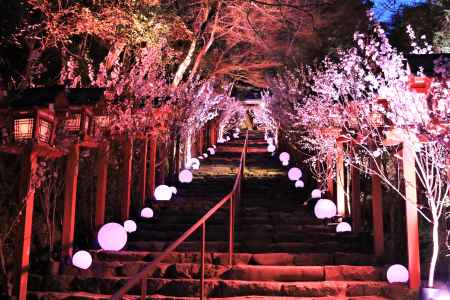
147,213
130,226
163,193
285,163
284,156
299,184
195,163
316,194
185,176
211,151
397,274
325,209
343,227
271,148
112,237
174,190
82,259
205,155
295,174
270,141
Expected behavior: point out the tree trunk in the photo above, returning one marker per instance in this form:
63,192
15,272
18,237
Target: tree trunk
184,65
434,257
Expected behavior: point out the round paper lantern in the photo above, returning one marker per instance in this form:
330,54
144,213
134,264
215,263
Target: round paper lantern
205,155
271,148
343,227
270,141
295,174
214,146
285,163
325,209
147,213
316,194
185,176
82,259
163,193
174,190
130,226
195,163
397,274
284,156
236,135
299,184
200,157
213,151
112,237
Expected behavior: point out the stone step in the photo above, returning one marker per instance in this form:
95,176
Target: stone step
221,258
237,272
91,296
247,246
225,288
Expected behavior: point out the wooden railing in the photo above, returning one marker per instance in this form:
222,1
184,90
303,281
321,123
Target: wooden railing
233,198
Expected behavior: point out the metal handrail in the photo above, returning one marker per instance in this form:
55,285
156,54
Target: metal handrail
233,197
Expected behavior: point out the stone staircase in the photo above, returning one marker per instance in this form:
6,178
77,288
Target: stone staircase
282,251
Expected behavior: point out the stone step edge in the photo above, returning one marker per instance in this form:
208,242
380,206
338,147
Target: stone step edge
64,295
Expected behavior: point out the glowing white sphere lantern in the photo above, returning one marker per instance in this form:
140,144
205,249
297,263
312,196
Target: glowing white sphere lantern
295,174
343,227
130,226
227,138
174,190
214,146
205,155
325,209
236,135
284,156
147,213
316,194
285,163
397,274
82,259
185,176
163,193
270,141
112,237
299,184
271,148
195,163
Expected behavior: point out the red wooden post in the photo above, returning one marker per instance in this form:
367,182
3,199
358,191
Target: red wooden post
356,201
70,200
201,141
412,224
152,166
102,184
126,178
143,176
330,167
340,184
377,212
26,196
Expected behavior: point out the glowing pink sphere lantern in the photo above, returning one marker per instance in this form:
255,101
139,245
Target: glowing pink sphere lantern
112,237
271,148
82,259
316,194
284,156
147,213
163,193
397,274
130,226
185,176
299,184
343,227
325,209
295,174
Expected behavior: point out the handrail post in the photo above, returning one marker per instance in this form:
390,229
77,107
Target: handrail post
144,288
202,270
231,231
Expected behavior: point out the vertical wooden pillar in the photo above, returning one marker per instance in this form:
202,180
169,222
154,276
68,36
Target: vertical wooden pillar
340,179
143,175
127,164
26,196
330,169
102,184
412,224
152,166
201,141
377,212
70,200
356,201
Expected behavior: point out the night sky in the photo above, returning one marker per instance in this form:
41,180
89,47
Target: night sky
384,15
